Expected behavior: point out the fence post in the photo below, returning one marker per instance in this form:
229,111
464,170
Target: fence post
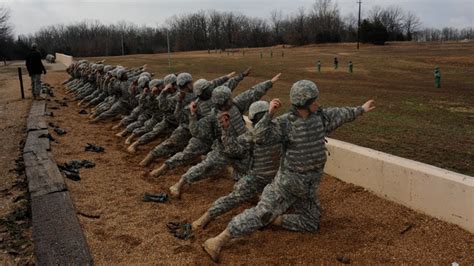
21,83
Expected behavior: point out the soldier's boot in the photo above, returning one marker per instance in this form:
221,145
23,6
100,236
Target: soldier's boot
117,126
278,221
214,245
93,121
129,140
175,190
159,171
202,221
133,148
122,134
148,159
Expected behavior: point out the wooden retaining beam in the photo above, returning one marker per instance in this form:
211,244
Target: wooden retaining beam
57,235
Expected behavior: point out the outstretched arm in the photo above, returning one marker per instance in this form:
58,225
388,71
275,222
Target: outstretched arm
336,117
246,98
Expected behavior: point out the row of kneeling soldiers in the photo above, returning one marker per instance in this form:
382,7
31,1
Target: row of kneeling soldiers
279,158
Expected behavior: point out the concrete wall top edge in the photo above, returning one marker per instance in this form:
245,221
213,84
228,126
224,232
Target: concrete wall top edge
407,163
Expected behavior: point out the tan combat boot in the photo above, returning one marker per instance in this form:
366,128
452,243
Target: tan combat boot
278,221
122,134
202,221
133,148
159,171
116,126
93,121
175,190
148,159
129,140
214,245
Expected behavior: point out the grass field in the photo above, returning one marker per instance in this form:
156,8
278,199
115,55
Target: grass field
413,118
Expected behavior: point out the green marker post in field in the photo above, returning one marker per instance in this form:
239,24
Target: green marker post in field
318,66
351,67
437,76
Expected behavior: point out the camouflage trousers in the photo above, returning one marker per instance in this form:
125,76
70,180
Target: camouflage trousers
194,149
147,126
163,127
118,108
36,84
105,105
216,161
132,117
98,99
276,200
91,96
85,92
244,190
177,141
139,122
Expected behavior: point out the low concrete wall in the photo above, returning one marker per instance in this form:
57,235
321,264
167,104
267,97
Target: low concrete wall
65,59
440,193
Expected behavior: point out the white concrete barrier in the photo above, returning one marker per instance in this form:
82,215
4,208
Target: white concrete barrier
65,59
437,192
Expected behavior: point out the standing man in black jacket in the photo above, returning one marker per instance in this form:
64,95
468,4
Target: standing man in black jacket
35,69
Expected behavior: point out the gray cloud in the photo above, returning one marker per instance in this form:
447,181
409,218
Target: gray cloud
28,16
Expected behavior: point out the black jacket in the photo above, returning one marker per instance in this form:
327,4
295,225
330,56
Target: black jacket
34,64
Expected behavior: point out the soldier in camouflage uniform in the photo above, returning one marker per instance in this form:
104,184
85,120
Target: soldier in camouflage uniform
147,99
265,160
181,135
144,110
302,133
139,86
167,103
199,144
217,159
154,109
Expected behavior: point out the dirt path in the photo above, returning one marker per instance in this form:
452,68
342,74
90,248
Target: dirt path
121,229
15,214
15,226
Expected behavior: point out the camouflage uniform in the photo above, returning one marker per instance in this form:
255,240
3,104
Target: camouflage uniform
124,98
200,144
298,178
181,135
217,159
167,104
140,108
147,111
265,160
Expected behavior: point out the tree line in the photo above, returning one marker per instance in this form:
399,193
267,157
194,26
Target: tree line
202,30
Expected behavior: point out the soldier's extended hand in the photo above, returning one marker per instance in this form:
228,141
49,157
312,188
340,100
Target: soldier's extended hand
193,107
167,87
246,72
224,119
231,74
369,106
276,78
275,104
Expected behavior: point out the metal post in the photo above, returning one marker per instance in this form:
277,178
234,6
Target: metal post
168,41
358,26
20,76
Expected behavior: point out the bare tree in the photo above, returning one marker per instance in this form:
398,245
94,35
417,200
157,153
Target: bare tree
411,24
276,18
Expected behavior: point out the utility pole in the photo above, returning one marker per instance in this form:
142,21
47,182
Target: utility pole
169,54
358,26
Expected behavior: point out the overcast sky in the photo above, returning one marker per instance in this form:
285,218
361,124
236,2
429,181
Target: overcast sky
28,16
